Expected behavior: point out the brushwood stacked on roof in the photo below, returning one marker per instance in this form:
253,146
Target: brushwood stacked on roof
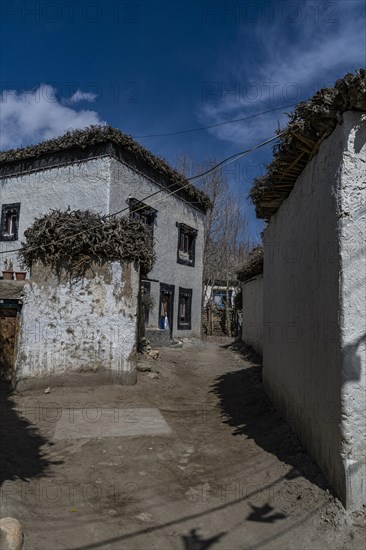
253,265
101,134
74,240
310,123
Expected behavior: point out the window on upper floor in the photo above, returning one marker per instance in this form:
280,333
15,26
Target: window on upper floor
186,244
143,212
10,221
185,309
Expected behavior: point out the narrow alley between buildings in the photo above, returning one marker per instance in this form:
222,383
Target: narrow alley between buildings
192,457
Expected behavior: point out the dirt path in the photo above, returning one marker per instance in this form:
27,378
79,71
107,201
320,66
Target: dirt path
230,475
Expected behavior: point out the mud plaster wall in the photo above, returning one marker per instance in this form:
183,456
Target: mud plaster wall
252,331
352,239
81,186
89,325
314,309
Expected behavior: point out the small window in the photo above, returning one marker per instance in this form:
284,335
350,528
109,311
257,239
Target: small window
184,309
186,244
143,212
10,221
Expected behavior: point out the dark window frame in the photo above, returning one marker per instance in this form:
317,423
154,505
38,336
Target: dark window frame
13,208
186,292
169,289
140,210
189,235
224,295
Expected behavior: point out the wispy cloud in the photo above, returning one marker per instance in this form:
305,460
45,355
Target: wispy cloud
288,64
81,96
35,115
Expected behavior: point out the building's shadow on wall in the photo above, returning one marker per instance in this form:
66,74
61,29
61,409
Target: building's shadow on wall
353,360
245,406
21,454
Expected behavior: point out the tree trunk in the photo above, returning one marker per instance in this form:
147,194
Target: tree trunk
227,311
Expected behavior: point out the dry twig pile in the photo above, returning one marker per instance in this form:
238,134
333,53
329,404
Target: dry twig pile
310,123
73,241
93,135
253,265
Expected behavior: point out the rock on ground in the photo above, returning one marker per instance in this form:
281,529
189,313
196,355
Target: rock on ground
11,534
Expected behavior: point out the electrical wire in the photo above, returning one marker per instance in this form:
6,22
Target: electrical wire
191,130
221,164
224,162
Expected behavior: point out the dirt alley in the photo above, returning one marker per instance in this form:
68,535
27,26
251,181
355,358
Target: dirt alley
230,475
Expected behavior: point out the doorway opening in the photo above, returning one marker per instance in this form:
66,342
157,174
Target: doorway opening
9,323
166,307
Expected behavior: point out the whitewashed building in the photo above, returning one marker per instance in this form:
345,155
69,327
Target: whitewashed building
251,277
104,170
314,281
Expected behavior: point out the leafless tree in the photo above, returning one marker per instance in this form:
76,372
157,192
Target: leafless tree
226,240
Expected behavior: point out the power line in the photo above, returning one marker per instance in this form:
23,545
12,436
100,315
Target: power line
236,156
215,125
224,162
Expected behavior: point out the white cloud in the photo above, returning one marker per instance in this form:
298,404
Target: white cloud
288,65
36,115
81,96
250,132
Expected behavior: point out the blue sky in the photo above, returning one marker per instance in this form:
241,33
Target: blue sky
151,67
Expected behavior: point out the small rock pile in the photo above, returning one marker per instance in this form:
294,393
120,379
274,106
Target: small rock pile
144,345
145,348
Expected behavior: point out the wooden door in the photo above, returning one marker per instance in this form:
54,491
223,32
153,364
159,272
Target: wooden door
166,307
8,330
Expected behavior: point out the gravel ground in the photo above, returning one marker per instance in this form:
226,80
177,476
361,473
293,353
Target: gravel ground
229,474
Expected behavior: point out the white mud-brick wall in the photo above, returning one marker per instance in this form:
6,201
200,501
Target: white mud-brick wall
78,186
170,210
88,325
314,315
352,239
252,331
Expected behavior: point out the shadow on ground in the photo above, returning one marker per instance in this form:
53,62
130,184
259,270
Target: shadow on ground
193,541
245,406
21,455
264,514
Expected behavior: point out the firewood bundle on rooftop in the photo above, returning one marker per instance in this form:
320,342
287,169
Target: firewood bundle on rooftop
310,123
74,240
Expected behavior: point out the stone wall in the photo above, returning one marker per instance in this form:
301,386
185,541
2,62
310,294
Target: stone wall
214,321
314,309
87,325
252,329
